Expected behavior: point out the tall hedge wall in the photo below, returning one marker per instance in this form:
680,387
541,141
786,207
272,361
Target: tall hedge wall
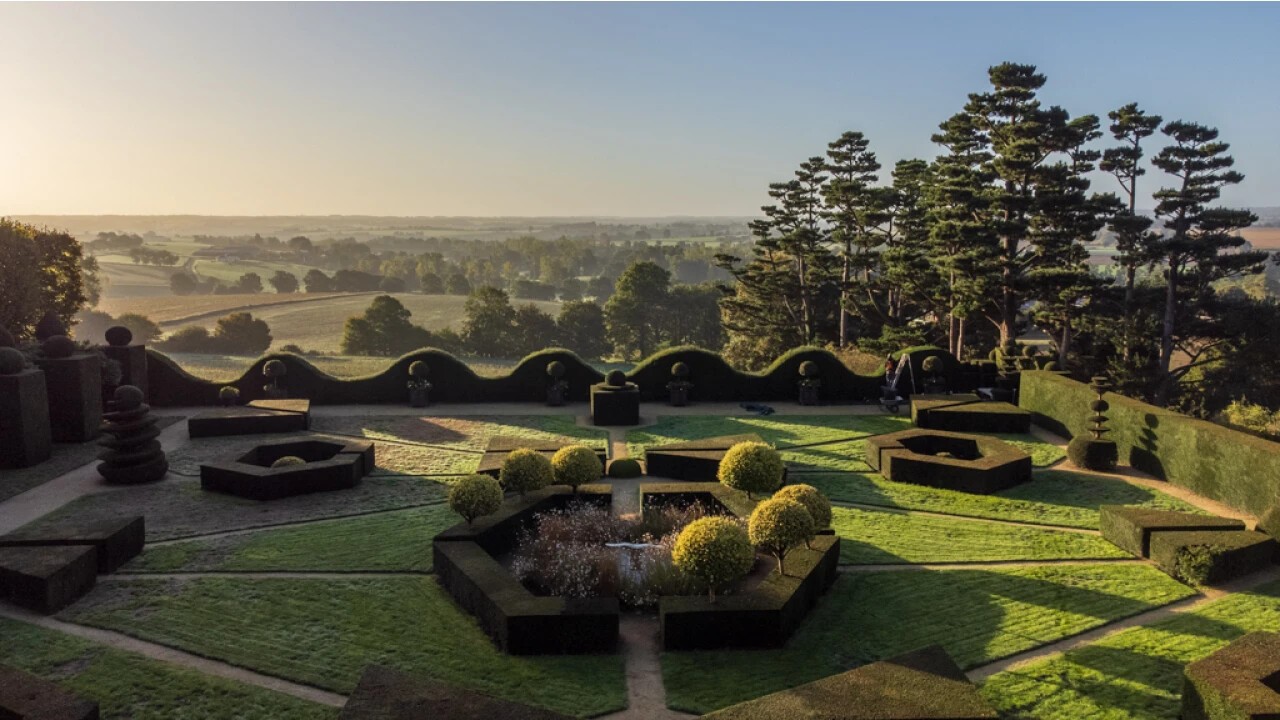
1226,465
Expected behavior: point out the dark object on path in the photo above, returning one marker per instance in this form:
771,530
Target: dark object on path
1093,451
132,449
615,401
757,408
23,695
386,694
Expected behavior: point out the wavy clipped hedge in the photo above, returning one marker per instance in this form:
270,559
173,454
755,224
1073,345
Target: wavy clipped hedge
1232,467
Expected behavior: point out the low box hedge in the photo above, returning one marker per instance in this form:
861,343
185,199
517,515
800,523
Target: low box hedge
115,540
498,533
981,464
24,696
1239,682
1211,557
501,446
519,622
47,578
1130,527
259,417
762,617
1232,467
923,684
968,413
387,694
718,498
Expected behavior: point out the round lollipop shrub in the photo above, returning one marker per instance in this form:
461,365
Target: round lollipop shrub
11,361
752,467
288,461
715,550
625,468
778,525
127,397
817,504
680,370
575,465
524,470
809,369
474,496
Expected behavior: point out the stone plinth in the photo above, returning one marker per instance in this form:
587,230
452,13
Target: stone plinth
25,438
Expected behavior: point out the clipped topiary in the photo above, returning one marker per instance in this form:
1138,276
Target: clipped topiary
715,550
555,369
419,370
1029,351
625,468
1093,452
58,347
6,339
288,461
777,526
930,364
809,369
11,361
575,465
475,496
615,378
524,470
817,504
119,336
752,467
1270,523
50,326
132,452
228,395
274,369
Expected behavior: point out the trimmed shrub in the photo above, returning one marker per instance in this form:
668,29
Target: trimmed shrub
1270,522
288,461
525,470
715,550
680,370
11,361
777,526
812,499
809,370
615,378
752,467
118,336
1131,527
625,468
1090,454
576,465
1210,558
274,369
419,370
555,369
229,395
474,496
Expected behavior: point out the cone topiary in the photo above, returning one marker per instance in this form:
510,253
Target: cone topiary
288,461
752,467
779,525
132,451
575,465
616,379
475,496
524,470
813,500
1093,451
715,550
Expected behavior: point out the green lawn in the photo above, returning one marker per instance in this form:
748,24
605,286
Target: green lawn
783,431
1053,497
876,537
127,685
1135,674
323,633
976,615
398,541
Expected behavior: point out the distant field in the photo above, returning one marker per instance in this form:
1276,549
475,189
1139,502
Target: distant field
318,325
1263,238
177,307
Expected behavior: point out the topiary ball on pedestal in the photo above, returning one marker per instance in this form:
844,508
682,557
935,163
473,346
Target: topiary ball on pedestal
11,361
58,347
132,451
680,371
616,378
119,336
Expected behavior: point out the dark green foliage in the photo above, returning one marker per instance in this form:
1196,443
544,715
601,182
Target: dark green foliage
624,468
384,330
1226,465
288,461
953,461
555,369
1211,557
1270,522
57,290
118,336
1090,454
58,346
1131,528
284,282
274,369
615,378
966,413
1238,682
419,370
580,326
11,361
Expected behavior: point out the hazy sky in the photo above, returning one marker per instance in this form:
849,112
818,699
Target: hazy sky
564,109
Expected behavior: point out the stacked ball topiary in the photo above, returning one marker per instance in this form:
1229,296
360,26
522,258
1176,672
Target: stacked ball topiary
752,467
133,453
810,381
228,395
475,496
557,386
576,465
524,470
1092,451
715,550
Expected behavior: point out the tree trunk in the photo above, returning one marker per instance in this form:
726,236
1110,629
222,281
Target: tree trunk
844,294
959,340
1164,390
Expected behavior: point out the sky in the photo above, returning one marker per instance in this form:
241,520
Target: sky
566,109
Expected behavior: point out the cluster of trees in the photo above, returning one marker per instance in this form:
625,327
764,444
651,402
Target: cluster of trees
965,250
92,325
151,256
235,334
111,242
646,313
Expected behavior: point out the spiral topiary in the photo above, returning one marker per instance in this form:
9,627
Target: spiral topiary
419,370
715,550
625,468
475,496
119,336
288,461
779,525
752,467
616,378
680,371
524,469
1093,452
817,504
11,361
555,369
575,465
131,449
58,347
